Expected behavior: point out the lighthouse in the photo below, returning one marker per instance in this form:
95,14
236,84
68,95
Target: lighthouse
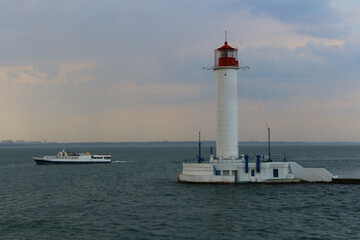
225,67
227,166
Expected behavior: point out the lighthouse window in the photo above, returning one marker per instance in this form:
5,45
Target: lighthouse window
276,172
225,74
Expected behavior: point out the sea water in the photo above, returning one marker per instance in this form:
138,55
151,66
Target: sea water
137,196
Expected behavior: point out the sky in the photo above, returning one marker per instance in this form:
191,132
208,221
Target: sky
131,70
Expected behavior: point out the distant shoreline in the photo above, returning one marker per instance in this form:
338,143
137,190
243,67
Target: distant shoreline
161,143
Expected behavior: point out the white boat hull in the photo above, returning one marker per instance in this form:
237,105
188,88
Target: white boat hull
43,161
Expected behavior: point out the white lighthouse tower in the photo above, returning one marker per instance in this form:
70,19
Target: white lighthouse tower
225,67
226,166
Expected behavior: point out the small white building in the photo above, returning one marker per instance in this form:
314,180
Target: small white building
226,166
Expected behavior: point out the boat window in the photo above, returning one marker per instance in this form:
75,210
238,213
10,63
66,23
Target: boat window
252,172
276,172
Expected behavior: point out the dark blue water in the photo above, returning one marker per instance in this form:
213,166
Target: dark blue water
138,197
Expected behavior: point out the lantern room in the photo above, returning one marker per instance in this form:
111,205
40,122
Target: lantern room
226,56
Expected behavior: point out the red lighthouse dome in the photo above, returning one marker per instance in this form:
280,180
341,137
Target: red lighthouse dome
226,56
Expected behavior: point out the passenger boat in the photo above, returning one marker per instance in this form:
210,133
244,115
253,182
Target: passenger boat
64,157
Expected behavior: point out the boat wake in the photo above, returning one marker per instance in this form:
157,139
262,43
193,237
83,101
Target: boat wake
122,161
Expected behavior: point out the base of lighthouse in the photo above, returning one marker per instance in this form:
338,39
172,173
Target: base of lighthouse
238,171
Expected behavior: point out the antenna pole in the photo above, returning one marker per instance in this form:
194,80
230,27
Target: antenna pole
269,142
199,160
225,36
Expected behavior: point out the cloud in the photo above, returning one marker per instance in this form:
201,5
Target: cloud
139,62
28,75
22,75
130,92
158,122
323,31
296,12
73,72
78,119
314,69
314,18
318,119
